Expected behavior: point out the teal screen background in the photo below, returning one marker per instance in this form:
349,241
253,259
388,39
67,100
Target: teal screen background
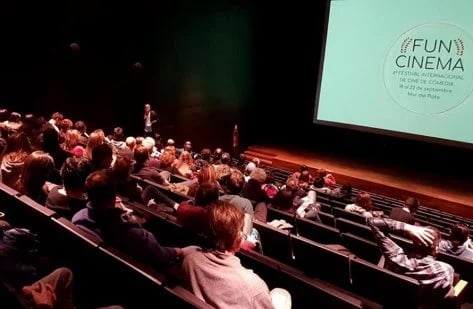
359,87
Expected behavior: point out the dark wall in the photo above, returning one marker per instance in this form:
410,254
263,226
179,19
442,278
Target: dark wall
203,65
192,60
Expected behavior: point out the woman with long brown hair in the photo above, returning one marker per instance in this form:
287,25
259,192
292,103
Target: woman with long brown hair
32,183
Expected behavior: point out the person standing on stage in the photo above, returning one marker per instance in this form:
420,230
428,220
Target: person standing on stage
151,121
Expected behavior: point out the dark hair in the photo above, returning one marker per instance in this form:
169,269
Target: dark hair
80,126
74,172
283,199
412,203
303,168
459,234
100,188
319,182
421,250
207,193
102,156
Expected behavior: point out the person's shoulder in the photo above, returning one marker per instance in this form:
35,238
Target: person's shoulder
446,266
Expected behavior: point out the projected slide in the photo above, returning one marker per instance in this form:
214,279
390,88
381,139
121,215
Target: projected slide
399,65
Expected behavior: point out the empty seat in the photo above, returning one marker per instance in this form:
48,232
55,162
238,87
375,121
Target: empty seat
317,231
362,248
319,261
342,213
383,286
275,242
277,274
361,230
327,219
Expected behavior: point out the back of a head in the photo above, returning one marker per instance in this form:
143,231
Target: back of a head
130,142
217,153
258,174
50,139
205,154
4,114
459,234
14,117
207,193
363,199
57,116
80,126
141,154
283,199
319,182
118,134
411,203
18,142
234,182
226,158
74,172
36,170
121,169
100,189
188,146
420,250
206,174
225,226
102,156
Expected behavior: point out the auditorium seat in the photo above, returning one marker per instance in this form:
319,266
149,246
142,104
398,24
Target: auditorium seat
361,230
300,286
275,242
145,286
362,248
325,207
317,260
342,213
317,231
278,274
276,214
327,218
22,209
383,286
462,266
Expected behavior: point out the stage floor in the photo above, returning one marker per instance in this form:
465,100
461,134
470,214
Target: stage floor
435,191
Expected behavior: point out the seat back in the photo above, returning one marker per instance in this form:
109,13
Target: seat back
383,286
144,285
342,213
317,260
362,248
274,242
317,231
361,230
327,219
277,274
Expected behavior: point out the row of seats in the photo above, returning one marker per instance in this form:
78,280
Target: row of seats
103,275
358,237
348,229
274,272
427,216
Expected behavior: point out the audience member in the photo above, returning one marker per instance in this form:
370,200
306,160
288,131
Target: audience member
458,241
435,277
71,197
118,228
405,213
363,206
216,275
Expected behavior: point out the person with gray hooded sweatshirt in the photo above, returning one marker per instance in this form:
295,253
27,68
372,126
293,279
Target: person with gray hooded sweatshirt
458,242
